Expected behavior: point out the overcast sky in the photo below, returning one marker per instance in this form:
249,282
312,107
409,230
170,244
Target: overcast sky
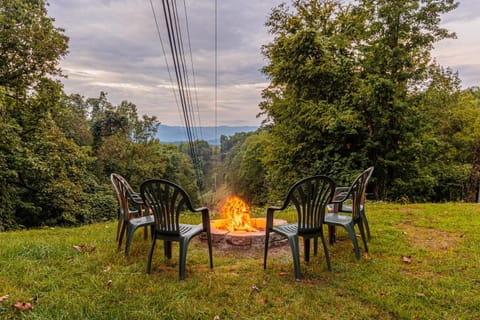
114,47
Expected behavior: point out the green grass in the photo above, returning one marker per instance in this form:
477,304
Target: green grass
441,282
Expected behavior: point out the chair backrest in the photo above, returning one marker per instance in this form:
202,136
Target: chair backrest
364,195
310,196
124,194
166,200
357,191
117,179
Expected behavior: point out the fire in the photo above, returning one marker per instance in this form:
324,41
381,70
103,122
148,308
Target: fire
237,215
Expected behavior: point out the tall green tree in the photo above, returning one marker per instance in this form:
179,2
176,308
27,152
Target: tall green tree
30,44
344,79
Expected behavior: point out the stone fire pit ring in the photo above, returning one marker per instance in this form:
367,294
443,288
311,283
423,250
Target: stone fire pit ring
244,240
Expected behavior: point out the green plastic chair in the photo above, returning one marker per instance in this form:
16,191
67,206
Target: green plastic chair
309,197
131,211
167,200
341,192
356,192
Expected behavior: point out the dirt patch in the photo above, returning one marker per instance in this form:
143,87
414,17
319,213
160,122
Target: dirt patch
430,239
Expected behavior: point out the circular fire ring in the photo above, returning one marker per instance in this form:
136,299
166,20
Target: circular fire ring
245,240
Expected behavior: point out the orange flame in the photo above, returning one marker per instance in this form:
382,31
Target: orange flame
237,215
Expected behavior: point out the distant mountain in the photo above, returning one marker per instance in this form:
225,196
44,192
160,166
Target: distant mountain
176,134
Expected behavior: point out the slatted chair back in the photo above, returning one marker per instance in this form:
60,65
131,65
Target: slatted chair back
166,200
310,197
358,190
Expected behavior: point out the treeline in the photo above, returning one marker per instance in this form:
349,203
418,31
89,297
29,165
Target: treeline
352,86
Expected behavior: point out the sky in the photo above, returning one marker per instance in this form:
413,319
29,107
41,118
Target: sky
114,47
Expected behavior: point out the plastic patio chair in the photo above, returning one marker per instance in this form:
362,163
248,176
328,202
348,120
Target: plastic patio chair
310,197
131,211
347,208
356,192
167,200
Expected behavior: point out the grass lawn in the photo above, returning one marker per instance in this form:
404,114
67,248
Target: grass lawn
424,263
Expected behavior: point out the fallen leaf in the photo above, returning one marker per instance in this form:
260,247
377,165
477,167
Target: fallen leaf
84,248
254,287
216,318
420,294
340,292
109,283
108,268
20,305
4,298
407,259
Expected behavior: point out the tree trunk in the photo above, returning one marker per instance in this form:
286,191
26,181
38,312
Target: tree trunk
473,180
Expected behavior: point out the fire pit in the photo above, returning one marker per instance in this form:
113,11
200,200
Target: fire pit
237,230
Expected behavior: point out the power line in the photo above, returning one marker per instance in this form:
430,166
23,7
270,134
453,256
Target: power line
175,38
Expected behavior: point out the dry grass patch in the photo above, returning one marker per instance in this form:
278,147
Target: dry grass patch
429,238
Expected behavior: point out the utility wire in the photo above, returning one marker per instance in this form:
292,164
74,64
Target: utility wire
166,60
174,33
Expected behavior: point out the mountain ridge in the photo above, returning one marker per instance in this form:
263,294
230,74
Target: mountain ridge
177,134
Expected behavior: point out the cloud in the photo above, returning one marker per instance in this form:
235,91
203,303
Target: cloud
114,47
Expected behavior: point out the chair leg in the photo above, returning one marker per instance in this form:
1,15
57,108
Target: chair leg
365,222
209,239
150,254
122,233
183,257
167,249
315,246
332,234
265,252
353,237
325,249
362,233
306,247
128,240
293,240
119,225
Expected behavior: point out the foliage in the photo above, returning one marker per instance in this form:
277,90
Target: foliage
421,265
45,175
30,45
57,151
243,165
202,160
345,86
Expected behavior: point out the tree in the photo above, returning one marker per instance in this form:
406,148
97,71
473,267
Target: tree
344,80
30,45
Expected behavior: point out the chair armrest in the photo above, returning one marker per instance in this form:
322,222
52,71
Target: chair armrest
205,218
341,194
270,212
136,198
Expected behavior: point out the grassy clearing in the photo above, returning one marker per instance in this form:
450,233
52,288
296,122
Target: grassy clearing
440,282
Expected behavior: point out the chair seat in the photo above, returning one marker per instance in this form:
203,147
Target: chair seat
339,219
141,221
186,230
286,229
349,208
